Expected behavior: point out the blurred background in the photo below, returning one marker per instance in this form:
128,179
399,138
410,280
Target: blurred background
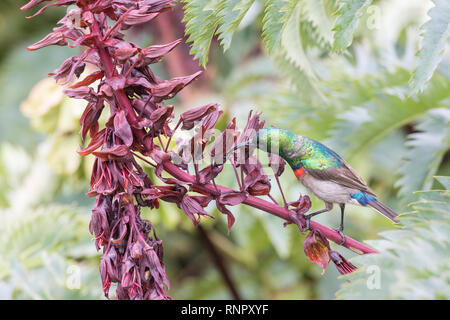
360,107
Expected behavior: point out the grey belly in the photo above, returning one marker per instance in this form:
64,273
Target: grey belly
328,191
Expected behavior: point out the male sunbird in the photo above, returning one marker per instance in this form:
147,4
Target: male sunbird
321,170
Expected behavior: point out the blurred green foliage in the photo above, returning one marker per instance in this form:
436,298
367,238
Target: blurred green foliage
413,262
280,60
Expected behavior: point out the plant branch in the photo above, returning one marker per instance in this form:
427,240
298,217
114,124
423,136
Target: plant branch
269,207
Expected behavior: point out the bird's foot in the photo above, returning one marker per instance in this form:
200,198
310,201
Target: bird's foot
341,233
307,221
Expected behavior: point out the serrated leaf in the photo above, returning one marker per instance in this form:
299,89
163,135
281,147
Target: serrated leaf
292,58
412,262
315,11
445,181
292,43
271,31
391,110
306,87
427,149
231,14
348,15
436,31
201,22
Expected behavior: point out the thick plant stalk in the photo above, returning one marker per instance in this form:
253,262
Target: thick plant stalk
271,208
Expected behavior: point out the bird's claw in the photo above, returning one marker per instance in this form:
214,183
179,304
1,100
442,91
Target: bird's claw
307,223
339,230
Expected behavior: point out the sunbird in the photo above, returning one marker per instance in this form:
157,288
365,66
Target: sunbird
321,170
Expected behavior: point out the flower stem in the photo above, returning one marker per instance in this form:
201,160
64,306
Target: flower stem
271,208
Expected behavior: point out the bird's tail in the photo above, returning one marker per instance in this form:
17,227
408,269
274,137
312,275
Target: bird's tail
383,209
366,199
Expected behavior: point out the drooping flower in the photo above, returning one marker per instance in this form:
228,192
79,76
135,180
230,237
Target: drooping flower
277,164
256,182
193,209
223,143
168,89
154,53
302,205
189,117
316,248
342,264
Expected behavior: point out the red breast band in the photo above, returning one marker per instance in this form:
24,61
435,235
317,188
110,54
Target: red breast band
300,172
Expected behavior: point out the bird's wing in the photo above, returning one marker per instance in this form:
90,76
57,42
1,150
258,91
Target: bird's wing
343,175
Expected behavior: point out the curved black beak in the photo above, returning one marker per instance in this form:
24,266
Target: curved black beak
245,144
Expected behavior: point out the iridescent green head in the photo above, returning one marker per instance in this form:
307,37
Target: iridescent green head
296,150
278,141
273,140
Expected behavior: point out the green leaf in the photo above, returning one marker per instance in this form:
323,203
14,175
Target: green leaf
271,31
427,148
412,262
201,22
206,18
232,13
291,38
445,181
348,15
389,109
316,11
435,34
291,59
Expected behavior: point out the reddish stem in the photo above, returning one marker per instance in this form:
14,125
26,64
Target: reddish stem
120,95
268,207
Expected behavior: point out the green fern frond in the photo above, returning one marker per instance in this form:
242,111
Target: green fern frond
232,13
40,247
436,31
413,261
427,148
291,39
287,108
315,11
43,228
202,21
271,30
390,109
306,87
348,15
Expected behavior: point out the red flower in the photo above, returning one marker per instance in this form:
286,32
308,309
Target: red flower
223,143
72,66
302,205
189,117
276,163
168,89
155,53
342,265
316,247
192,207
256,182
